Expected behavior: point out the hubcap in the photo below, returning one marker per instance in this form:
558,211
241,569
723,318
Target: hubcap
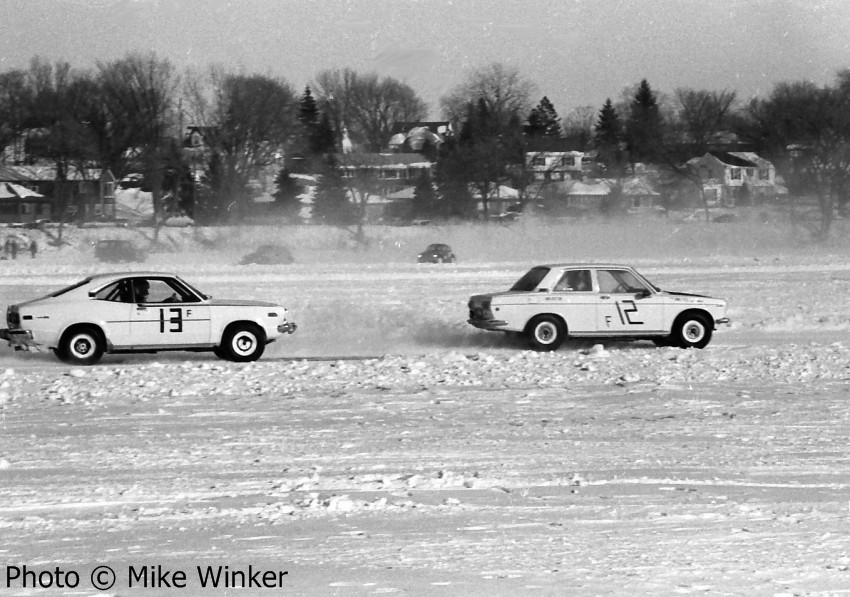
546,333
244,343
694,331
82,346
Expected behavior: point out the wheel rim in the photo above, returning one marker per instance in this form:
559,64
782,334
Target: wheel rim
244,343
82,346
694,331
546,332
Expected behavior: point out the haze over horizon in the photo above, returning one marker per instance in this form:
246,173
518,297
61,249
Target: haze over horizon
578,53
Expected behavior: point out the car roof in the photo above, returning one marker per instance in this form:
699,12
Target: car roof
585,266
109,277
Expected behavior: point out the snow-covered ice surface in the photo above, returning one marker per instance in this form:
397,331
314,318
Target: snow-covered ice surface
389,448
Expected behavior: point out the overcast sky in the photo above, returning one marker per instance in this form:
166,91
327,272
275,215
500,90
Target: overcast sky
577,52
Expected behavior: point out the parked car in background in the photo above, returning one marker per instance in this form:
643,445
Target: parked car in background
142,312
552,302
269,255
117,251
437,253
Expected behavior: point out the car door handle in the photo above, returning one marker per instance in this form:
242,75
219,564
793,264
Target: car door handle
141,308
604,296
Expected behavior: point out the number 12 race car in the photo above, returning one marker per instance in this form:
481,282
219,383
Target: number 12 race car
551,302
142,312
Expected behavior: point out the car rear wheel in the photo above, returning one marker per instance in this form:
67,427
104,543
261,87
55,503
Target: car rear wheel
81,345
546,332
242,343
692,330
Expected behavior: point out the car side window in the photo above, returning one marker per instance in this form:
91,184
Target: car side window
619,281
117,292
165,291
575,281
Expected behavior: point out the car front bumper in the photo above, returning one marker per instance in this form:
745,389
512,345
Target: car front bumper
722,321
287,328
19,339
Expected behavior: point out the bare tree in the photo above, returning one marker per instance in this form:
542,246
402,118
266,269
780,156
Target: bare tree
702,115
504,90
578,126
249,122
366,105
140,92
15,101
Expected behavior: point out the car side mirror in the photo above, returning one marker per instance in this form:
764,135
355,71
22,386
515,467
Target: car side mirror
643,294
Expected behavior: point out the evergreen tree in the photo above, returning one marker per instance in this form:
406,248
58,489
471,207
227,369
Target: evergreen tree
644,126
549,118
331,204
608,136
286,193
324,140
534,126
308,114
452,180
424,198
543,121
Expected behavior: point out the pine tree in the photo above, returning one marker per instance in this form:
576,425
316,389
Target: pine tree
308,114
608,136
286,193
424,197
549,118
534,126
330,203
543,121
644,125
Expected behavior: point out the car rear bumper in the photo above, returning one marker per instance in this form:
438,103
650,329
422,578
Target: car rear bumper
19,339
488,324
287,328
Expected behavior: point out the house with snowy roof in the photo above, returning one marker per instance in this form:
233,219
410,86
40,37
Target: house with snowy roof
730,178
415,136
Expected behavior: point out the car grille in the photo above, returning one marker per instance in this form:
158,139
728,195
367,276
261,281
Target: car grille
480,310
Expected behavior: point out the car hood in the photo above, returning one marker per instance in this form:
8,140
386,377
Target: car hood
241,303
502,294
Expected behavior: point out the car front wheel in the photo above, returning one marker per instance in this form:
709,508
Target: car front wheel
82,345
242,343
546,332
692,330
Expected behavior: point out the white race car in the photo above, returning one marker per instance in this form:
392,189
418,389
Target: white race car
142,312
551,302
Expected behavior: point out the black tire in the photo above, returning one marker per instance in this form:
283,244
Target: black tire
81,345
692,330
546,332
242,343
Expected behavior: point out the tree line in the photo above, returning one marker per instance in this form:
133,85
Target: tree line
129,115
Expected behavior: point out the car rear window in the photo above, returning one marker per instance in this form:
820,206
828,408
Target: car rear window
69,288
531,279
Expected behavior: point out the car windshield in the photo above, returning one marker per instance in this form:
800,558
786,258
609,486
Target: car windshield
195,290
531,279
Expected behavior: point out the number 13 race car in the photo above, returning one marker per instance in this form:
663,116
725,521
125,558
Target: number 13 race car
551,302
142,312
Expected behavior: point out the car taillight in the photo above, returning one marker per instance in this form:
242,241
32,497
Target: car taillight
13,318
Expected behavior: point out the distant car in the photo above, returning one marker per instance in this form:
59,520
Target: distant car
142,312
724,219
269,255
437,253
117,251
552,302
